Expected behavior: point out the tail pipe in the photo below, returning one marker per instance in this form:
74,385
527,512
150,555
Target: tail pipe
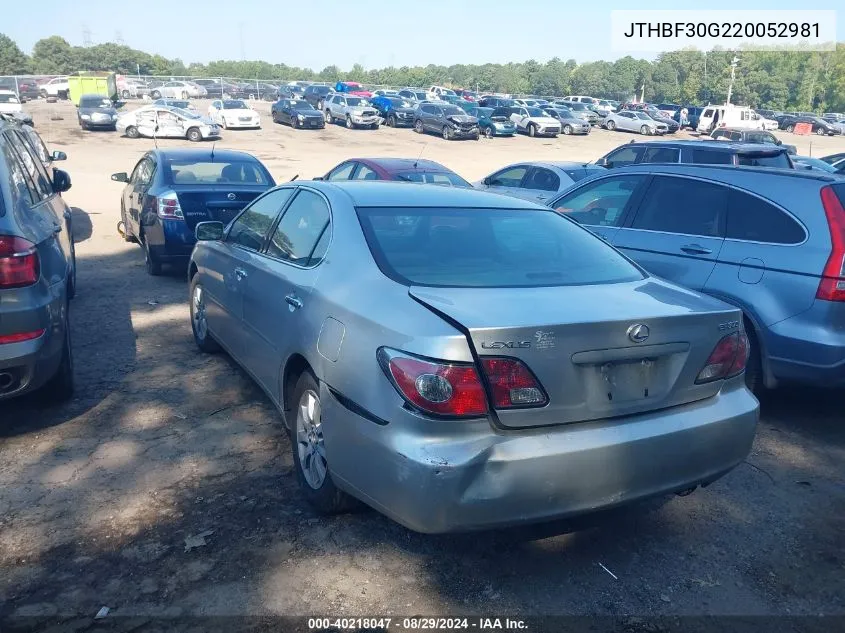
6,380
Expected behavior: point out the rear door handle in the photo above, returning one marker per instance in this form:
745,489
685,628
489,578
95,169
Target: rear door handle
240,273
57,228
696,249
293,301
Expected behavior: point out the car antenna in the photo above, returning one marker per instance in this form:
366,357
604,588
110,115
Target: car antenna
213,145
294,178
420,156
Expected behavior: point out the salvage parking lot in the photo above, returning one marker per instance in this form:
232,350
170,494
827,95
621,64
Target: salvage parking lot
166,486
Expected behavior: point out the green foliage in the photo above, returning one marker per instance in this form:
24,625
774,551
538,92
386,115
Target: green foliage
782,80
12,59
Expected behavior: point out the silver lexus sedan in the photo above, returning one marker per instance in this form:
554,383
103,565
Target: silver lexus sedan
461,360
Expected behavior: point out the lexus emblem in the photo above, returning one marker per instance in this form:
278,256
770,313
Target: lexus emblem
232,196
638,333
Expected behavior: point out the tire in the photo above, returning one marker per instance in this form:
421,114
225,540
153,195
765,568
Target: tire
42,93
132,132
349,124
329,119
375,126
754,367
60,387
83,125
71,284
447,133
156,94
477,136
199,322
645,130
125,94
418,127
127,236
821,132
489,132
184,96
307,444
194,135
610,125
320,104
152,264
391,121
223,124
567,130
790,128
532,130
293,123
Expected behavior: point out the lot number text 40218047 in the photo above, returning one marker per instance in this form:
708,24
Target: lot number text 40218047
418,624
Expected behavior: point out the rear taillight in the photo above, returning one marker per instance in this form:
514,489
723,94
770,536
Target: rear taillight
168,207
20,337
832,285
438,387
512,384
19,263
727,359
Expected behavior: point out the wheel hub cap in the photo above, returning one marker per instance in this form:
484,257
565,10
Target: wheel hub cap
200,321
309,440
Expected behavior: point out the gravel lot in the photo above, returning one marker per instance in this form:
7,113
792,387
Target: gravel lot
163,443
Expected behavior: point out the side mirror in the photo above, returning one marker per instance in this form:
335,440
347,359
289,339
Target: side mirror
61,181
486,181
209,231
318,178
602,162
57,155
120,176
778,142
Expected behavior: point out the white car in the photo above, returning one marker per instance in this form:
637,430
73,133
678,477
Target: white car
56,87
233,113
534,122
9,102
179,90
166,122
768,124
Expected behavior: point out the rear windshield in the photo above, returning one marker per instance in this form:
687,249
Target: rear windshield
764,160
489,248
234,105
184,172
95,102
433,178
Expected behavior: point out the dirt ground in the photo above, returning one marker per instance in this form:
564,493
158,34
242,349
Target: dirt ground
163,444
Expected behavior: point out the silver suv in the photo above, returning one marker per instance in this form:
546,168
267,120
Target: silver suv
355,111
37,271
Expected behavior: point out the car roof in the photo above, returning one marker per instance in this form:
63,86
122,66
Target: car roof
564,164
396,164
730,171
203,154
724,146
402,194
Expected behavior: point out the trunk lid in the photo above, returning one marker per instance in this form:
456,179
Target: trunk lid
219,203
579,343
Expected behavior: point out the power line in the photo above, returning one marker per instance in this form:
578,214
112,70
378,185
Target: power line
86,35
118,38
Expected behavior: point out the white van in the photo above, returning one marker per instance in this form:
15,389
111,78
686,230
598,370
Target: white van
716,116
436,93
581,99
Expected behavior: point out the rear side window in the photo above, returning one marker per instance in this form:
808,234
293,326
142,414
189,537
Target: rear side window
624,156
661,155
764,160
542,180
753,219
488,248
683,205
711,157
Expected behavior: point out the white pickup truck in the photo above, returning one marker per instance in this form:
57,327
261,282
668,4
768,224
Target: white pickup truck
56,87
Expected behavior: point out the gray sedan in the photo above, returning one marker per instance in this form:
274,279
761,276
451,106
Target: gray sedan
538,181
459,360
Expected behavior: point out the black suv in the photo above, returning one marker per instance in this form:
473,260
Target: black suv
698,152
316,95
740,135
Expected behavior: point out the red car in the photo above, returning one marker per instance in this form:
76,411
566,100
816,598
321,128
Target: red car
396,169
352,88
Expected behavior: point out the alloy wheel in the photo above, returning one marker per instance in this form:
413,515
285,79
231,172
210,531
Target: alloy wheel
309,440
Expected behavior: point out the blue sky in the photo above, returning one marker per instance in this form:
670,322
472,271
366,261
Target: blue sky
316,33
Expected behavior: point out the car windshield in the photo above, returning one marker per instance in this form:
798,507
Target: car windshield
186,113
420,96
521,248
642,115
816,163
453,110
4,98
176,104
298,104
356,101
234,105
217,172
433,178
764,160
322,90
398,102
535,112
95,102
577,106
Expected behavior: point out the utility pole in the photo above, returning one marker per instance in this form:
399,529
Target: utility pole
86,35
118,38
734,62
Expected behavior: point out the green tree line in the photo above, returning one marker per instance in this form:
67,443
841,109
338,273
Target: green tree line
800,80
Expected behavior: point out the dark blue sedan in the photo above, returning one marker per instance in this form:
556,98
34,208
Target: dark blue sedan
169,191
